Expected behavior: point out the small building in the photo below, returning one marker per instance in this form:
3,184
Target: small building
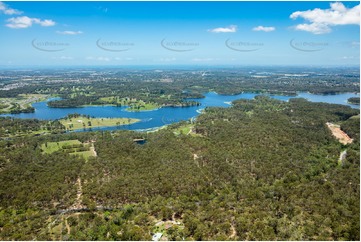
157,236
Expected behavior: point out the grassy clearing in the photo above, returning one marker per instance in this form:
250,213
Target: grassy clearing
164,226
110,99
142,106
72,147
133,104
85,154
85,123
186,129
80,93
355,117
51,147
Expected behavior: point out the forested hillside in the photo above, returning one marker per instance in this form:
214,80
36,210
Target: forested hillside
260,170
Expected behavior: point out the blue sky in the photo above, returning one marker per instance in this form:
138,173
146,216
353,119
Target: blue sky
179,33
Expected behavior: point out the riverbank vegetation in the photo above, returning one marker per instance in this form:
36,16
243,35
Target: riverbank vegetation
261,169
354,100
20,103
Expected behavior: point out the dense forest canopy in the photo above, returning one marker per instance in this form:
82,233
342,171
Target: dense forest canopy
260,170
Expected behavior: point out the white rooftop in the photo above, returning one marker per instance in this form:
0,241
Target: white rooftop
157,236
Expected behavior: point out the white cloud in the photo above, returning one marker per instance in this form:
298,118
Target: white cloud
68,32
99,58
170,59
64,58
321,20
102,58
315,28
263,28
203,59
44,23
124,59
230,29
19,22
26,22
349,58
9,11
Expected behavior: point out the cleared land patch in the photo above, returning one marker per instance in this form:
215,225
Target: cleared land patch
72,147
133,104
339,134
186,129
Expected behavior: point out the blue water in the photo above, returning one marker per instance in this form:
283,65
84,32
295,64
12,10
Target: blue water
163,116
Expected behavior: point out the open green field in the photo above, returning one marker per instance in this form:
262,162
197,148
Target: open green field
84,122
133,104
21,103
51,147
112,99
186,129
72,147
355,117
85,154
142,106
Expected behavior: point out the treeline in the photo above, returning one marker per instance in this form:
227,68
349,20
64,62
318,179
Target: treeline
352,127
75,102
354,100
16,108
10,126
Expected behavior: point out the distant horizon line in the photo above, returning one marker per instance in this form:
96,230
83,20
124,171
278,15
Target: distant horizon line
3,67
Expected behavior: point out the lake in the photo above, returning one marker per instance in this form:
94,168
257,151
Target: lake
151,120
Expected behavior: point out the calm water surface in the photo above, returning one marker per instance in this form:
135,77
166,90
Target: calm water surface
157,118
